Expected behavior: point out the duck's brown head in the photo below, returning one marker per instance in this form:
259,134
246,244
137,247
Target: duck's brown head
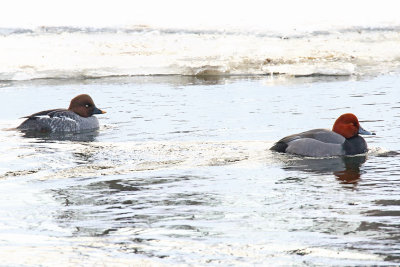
84,106
348,126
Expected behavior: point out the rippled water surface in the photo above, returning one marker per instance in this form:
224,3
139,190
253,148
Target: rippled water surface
180,173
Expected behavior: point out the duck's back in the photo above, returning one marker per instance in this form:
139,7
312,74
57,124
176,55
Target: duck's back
58,120
315,143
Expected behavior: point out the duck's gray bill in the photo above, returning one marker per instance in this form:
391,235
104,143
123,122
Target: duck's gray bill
362,131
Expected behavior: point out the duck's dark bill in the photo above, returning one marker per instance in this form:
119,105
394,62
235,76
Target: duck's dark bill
361,130
98,111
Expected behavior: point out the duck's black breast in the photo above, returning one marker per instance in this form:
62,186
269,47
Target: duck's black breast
355,145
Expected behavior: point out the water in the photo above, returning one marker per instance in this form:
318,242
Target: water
180,173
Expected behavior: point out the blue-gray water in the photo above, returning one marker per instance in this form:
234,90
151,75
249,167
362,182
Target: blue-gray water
180,173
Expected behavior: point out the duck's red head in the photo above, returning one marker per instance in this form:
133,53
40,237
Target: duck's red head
348,126
84,106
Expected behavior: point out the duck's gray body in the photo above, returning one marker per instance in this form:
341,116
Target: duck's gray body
321,143
58,120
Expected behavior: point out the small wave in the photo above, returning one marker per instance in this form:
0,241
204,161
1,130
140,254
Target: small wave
112,159
382,152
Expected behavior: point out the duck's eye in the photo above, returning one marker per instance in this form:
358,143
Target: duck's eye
87,105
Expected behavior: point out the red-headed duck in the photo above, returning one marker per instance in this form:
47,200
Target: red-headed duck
344,139
78,117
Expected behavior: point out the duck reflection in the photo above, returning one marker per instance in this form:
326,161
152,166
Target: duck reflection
89,136
346,169
351,173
